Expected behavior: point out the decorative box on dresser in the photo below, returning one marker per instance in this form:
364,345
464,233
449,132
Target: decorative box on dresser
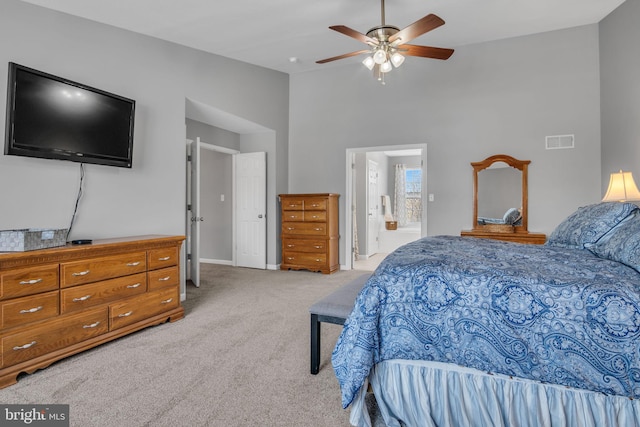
309,232
60,301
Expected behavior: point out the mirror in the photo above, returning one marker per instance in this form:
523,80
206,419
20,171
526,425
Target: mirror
500,194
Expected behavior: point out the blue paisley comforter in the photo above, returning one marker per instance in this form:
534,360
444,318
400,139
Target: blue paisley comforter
555,315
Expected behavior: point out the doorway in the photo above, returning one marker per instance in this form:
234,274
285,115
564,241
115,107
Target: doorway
360,195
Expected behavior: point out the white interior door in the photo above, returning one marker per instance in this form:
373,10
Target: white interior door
250,177
373,201
194,246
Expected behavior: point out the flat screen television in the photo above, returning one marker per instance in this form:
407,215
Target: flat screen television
54,118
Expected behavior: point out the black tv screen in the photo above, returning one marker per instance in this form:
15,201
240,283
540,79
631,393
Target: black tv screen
55,118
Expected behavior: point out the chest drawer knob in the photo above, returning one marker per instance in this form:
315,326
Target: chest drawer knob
167,301
164,279
165,258
24,347
133,264
291,228
31,310
30,282
81,273
318,229
93,325
291,246
84,298
137,285
127,314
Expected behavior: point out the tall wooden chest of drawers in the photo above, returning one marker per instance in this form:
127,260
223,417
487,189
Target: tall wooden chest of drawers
60,301
310,232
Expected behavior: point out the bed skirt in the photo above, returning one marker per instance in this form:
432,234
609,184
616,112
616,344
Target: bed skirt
418,393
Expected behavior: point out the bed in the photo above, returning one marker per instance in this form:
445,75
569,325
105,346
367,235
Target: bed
455,331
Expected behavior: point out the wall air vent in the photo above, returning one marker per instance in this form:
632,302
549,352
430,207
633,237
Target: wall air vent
559,141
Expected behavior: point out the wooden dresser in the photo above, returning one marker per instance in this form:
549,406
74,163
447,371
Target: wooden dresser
61,301
310,232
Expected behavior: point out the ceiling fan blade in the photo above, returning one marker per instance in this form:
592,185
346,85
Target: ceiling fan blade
418,28
354,34
425,51
346,55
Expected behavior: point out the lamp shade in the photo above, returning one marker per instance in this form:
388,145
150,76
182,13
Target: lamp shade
622,188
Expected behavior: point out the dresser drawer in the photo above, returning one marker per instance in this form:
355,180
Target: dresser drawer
160,258
28,281
144,306
315,204
55,335
79,272
28,309
292,216
292,204
304,245
85,296
162,278
304,228
302,258
317,216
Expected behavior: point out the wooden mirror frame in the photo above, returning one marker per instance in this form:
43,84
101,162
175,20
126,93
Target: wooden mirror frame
522,166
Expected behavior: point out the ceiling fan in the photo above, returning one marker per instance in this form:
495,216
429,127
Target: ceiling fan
388,44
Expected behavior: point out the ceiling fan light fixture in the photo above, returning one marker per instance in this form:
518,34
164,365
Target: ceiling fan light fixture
385,67
369,62
380,56
397,59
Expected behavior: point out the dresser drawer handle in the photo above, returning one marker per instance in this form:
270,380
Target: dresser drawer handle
137,285
318,229
24,347
315,205
133,264
164,279
31,310
291,246
84,298
318,260
166,258
167,301
315,216
127,314
93,325
291,228
30,282
290,258
318,246
81,273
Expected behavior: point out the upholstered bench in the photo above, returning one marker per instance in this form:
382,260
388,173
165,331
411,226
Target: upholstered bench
334,308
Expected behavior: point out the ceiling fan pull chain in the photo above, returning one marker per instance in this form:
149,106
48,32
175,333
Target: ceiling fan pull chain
382,11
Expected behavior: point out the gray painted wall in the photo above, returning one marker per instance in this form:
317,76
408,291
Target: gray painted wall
150,197
488,98
620,89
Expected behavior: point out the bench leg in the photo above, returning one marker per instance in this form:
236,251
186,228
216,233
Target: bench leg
315,344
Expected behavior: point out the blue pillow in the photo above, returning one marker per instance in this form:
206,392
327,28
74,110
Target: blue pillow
622,244
588,224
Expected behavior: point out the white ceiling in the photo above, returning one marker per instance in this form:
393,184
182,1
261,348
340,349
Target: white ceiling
270,32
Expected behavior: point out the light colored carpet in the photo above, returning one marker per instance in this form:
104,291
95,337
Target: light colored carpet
240,357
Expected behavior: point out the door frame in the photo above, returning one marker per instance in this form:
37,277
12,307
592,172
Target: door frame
349,192
189,239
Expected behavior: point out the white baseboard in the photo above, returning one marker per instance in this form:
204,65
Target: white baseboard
216,261
273,266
